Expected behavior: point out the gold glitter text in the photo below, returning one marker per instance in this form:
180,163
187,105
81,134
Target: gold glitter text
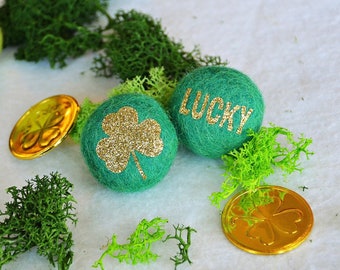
210,107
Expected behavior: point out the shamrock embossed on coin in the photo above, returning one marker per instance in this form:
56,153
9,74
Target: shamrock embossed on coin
44,126
272,228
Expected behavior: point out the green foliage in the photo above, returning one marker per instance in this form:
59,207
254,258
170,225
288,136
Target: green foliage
86,109
138,249
155,85
137,43
183,244
37,216
1,41
247,167
50,29
132,42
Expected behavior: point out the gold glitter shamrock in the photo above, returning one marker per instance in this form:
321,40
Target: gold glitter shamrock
44,129
268,221
126,137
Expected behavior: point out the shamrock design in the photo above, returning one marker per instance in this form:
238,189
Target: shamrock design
44,129
268,222
126,136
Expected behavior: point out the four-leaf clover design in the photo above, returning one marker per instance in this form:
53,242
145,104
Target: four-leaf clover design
126,136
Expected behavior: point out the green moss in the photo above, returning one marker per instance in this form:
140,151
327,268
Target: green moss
247,167
155,84
86,109
183,245
138,249
50,29
139,43
37,216
131,42
1,40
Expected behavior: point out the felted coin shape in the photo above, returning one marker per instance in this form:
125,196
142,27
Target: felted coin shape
129,143
213,107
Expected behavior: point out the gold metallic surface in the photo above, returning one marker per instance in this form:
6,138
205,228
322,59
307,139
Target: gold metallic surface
273,228
43,127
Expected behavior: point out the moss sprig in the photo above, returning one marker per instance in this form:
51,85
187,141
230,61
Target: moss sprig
86,109
138,248
247,167
55,30
131,42
37,216
1,40
184,244
155,84
137,42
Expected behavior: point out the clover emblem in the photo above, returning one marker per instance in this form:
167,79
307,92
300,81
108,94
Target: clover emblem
44,129
269,221
126,137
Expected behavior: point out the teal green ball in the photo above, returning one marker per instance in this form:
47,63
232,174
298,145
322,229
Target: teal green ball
129,143
213,107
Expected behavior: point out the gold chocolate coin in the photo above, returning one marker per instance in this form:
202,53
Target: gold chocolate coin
43,126
275,227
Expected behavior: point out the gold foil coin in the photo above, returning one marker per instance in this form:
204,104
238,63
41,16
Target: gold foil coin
43,126
275,227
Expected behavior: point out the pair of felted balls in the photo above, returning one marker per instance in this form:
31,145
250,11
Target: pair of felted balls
129,143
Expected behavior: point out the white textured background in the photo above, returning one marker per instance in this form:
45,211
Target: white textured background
289,48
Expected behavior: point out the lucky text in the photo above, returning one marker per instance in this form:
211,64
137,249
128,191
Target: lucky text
227,112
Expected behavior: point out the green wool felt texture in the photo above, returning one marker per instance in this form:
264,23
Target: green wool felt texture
213,107
129,143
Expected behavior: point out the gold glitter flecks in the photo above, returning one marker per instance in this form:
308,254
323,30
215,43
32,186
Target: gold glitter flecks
210,119
183,110
244,117
126,136
228,115
195,114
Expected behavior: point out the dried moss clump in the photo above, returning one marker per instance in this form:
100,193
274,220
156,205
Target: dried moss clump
138,42
38,216
155,85
139,246
131,42
247,167
87,108
54,30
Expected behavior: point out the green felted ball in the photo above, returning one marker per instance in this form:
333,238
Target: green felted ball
213,107
129,143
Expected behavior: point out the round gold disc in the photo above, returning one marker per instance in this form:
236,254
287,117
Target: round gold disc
43,126
275,227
